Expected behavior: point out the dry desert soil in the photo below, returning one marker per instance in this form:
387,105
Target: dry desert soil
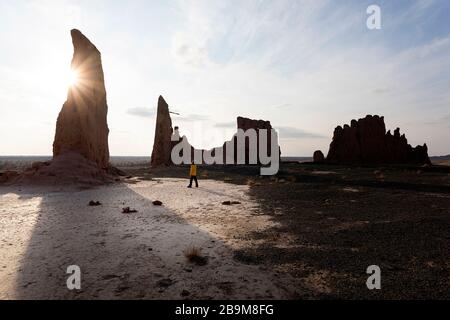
308,233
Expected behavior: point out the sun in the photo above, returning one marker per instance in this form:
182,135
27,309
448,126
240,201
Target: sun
72,78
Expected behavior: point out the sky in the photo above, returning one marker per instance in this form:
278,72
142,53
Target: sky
305,65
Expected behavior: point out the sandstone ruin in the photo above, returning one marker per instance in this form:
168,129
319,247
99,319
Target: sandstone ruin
82,126
80,147
162,147
366,142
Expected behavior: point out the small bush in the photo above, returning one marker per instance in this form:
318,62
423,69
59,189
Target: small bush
193,254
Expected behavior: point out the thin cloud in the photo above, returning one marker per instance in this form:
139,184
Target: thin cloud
295,133
229,124
443,120
142,112
382,90
192,117
283,106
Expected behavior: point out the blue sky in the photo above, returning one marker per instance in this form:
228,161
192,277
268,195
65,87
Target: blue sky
307,66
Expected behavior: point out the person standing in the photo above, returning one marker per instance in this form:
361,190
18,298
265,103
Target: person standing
193,175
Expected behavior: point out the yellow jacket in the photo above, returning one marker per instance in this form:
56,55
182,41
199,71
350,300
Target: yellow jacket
193,171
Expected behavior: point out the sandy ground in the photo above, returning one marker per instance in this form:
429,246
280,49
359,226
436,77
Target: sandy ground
138,255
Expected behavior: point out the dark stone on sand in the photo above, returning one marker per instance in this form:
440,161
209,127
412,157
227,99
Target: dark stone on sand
157,203
8,176
229,203
199,260
164,283
128,210
185,293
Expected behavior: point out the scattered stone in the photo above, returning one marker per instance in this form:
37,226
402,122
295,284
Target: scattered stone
199,260
94,203
121,289
157,203
164,283
128,210
8,175
349,189
185,293
110,276
229,203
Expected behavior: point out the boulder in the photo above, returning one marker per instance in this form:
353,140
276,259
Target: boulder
318,157
8,176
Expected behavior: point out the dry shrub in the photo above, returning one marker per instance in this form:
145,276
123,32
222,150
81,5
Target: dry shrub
291,178
194,255
253,183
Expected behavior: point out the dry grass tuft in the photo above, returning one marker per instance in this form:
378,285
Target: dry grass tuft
194,255
291,178
253,183
205,174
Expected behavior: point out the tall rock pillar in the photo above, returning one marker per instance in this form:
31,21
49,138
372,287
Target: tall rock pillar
162,146
82,125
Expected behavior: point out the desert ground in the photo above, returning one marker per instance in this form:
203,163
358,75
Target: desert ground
308,233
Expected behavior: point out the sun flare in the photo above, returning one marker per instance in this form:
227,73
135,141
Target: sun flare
72,78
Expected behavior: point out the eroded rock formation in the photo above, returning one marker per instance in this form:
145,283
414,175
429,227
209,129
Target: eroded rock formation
318,157
246,124
80,148
82,125
162,145
366,142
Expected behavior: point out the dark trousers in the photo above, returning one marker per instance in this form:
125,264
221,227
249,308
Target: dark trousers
193,178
